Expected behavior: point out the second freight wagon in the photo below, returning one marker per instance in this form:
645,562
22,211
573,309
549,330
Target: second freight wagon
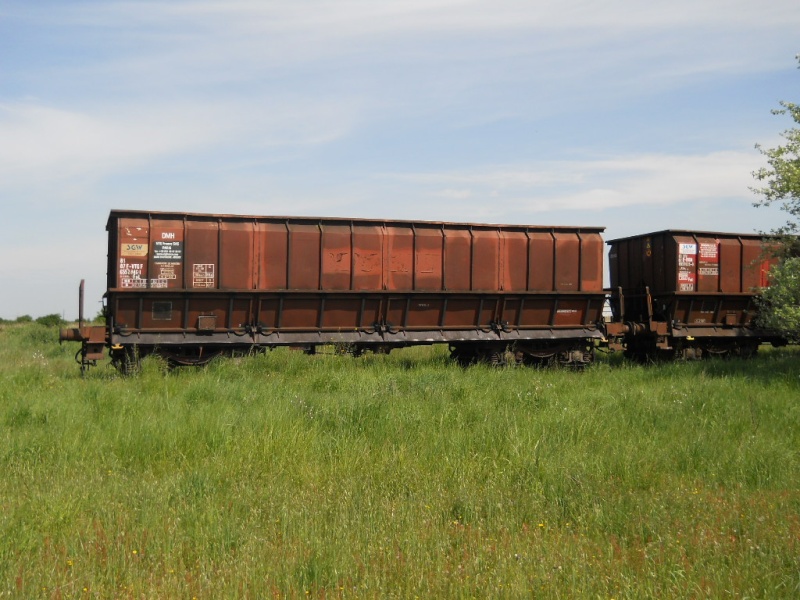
688,294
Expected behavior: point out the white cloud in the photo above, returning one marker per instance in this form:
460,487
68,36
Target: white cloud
337,18
592,185
35,137
663,180
43,145
161,78
202,42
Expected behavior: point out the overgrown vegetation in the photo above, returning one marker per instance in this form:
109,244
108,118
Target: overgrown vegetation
285,475
779,304
53,320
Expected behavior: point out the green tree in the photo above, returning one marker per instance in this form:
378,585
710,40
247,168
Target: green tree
780,183
779,304
781,178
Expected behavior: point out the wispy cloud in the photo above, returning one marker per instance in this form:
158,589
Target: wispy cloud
66,144
340,18
162,79
200,43
599,184
41,137
519,193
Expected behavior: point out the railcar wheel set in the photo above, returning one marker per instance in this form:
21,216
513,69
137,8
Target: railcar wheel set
190,287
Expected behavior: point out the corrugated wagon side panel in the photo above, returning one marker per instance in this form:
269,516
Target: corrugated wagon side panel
686,265
665,271
754,265
457,258
132,249
237,256
639,265
337,256
541,261
303,256
591,262
645,257
708,264
399,243
129,240
368,265
428,258
272,255
202,254
485,259
166,254
615,265
515,260
635,263
567,262
731,269
624,274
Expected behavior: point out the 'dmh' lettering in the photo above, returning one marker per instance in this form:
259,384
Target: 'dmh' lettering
168,235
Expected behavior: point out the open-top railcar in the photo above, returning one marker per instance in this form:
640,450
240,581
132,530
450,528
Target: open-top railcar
193,286
688,294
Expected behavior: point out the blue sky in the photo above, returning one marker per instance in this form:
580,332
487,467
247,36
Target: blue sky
635,116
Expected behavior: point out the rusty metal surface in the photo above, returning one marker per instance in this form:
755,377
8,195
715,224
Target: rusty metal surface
700,283
346,312
223,275
190,251
93,338
686,261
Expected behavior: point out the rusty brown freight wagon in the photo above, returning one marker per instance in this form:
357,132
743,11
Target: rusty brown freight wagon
688,293
192,286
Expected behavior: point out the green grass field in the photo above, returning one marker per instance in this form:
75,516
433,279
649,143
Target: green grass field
285,475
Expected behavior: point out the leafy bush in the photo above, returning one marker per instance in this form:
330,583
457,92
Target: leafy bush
779,304
53,320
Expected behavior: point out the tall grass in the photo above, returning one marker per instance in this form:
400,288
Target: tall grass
285,475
